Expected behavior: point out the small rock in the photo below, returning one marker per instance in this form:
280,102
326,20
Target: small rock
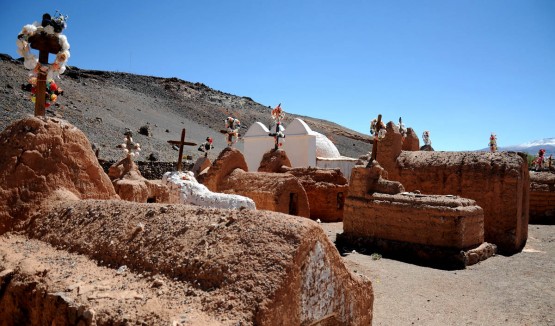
158,283
153,157
122,269
145,130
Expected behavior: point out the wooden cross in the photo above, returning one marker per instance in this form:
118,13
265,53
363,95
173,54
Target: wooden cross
181,143
277,135
375,142
46,44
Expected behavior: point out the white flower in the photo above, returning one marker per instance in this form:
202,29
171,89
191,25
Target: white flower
48,29
30,62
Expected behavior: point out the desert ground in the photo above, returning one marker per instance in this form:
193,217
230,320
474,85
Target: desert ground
515,290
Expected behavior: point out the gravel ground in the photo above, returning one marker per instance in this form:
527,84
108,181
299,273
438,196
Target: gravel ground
515,290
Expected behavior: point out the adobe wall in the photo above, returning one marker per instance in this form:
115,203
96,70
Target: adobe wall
273,160
542,197
270,191
411,142
326,190
228,160
39,157
498,182
256,267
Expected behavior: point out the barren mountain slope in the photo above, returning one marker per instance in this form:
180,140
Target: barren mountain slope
102,104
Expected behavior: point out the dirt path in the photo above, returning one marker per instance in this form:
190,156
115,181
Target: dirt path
516,290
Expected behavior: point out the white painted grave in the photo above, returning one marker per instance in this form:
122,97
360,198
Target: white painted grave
192,192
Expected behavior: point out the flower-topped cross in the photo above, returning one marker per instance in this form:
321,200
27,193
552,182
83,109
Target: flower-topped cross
277,116
45,38
130,148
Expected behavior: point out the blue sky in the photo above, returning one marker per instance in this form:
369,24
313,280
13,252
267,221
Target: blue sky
460,69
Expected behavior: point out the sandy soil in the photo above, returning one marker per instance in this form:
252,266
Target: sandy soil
515,290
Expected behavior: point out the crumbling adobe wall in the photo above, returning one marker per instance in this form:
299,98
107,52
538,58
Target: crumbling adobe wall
273,160
228,160
498,182
326,190
270,191
256,267
542,197
411,142
40,156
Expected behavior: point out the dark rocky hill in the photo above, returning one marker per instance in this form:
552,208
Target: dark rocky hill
103,104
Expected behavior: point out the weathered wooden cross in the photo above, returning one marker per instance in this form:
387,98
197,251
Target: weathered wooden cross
375,142
46,44
181,143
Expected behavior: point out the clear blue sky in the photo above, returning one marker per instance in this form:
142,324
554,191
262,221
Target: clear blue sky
460,69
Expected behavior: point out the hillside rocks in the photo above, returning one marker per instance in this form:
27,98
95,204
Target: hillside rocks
40,157
120,100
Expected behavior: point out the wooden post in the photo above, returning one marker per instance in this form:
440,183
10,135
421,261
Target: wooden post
46,44
181,143
375,142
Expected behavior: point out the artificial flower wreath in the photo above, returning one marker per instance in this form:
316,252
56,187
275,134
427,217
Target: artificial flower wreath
51,26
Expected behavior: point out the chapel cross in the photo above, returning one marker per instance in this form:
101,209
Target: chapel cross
375,142
181,143
46,44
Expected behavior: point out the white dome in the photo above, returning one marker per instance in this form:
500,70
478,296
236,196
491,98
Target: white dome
324,147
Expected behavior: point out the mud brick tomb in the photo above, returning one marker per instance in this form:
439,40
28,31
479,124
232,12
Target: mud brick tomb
74,253
498,182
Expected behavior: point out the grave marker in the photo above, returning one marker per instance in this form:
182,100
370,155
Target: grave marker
181,143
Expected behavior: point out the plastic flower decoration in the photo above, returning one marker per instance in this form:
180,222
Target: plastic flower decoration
50,26
373,129
493,143
426,138
277,116
51,92
402,128
130,148
232,126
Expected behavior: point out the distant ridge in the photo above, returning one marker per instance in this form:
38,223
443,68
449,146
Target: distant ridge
532,147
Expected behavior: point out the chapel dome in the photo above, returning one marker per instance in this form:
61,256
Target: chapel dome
324,147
